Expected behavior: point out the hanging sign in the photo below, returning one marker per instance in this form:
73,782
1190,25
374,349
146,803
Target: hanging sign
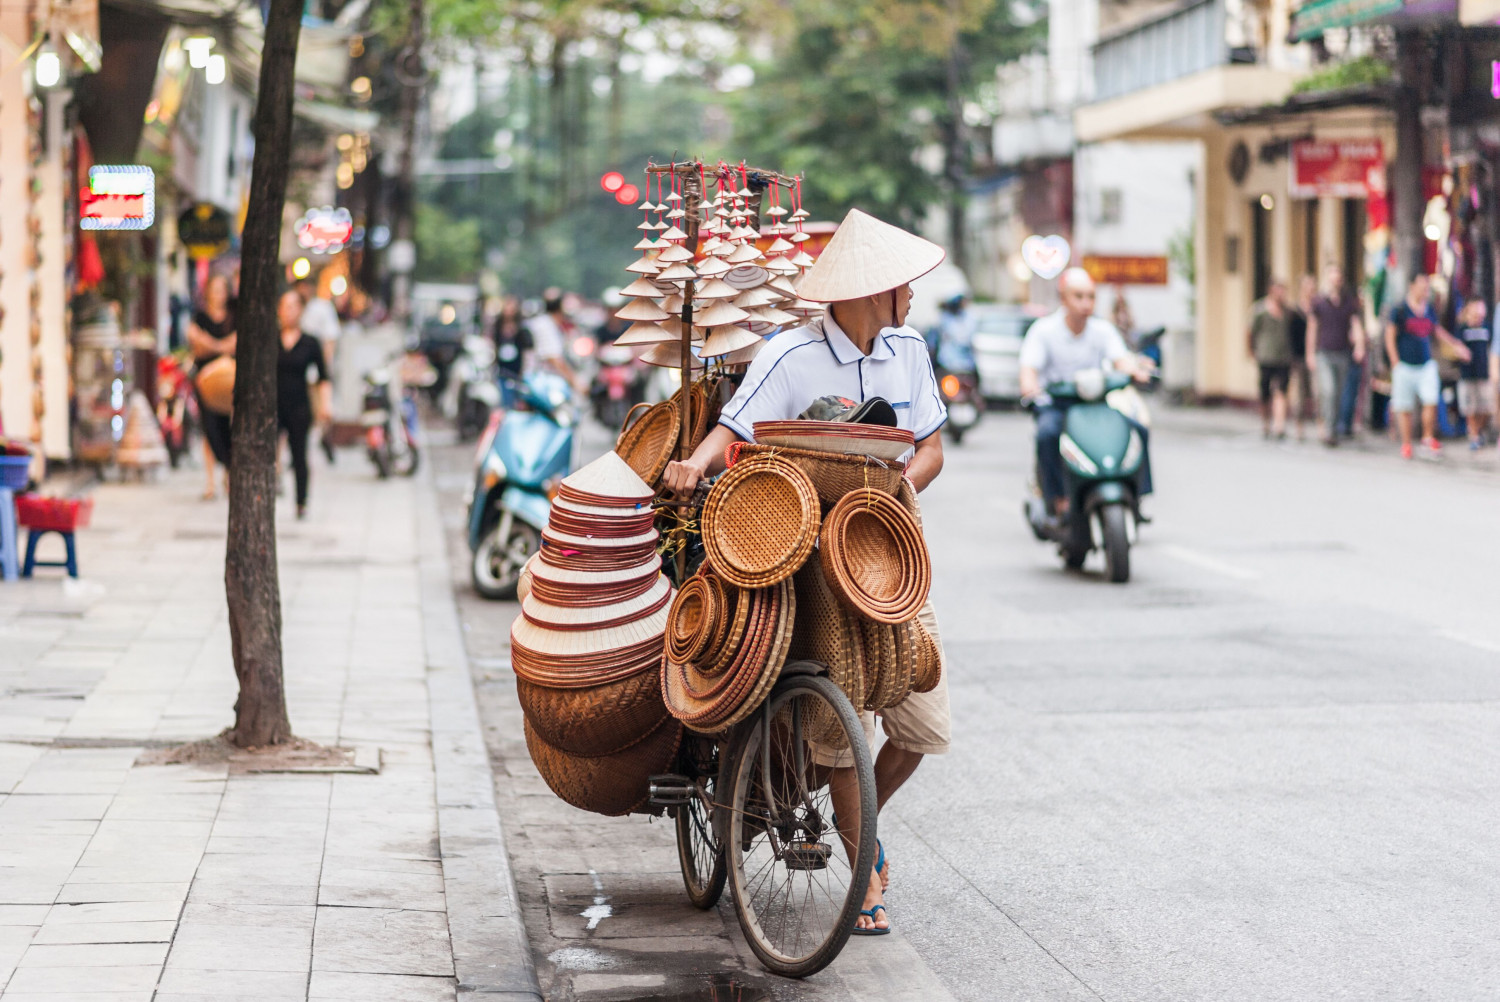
325,230
118,198
1046,256
1126,269
204,230
1337,168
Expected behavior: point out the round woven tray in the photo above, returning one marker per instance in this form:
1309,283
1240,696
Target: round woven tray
760,522
927,670
712,704
691,623
648,444
874,557
607,784
833,475
598,720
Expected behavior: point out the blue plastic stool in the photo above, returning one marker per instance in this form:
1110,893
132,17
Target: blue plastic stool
32,535
9,570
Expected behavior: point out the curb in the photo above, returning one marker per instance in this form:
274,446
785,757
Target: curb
491,953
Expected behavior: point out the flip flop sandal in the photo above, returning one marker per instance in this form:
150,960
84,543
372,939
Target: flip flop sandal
857,931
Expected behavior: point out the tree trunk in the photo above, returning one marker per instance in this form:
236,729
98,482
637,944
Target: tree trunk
251,578
1407,204
954,159
410,73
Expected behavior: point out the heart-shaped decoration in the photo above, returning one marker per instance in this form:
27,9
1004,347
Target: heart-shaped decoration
1046,256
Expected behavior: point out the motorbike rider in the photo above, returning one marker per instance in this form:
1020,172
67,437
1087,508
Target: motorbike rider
1056,348
859,349
954,335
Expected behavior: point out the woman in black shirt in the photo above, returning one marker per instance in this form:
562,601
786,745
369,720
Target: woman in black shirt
294,412
210,335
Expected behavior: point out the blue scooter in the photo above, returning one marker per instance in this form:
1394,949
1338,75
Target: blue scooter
524,453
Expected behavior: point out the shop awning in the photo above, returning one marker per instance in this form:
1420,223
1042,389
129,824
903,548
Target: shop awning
1312,19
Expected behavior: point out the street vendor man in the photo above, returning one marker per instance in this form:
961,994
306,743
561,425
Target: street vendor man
860,350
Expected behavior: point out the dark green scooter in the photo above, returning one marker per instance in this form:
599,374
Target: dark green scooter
1102,454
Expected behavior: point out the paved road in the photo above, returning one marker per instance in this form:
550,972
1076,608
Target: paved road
1264,769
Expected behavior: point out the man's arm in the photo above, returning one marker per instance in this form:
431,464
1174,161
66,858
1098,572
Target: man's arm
681,476
1357,337
927,463
1456,343
1031,383
1390,345
1312,337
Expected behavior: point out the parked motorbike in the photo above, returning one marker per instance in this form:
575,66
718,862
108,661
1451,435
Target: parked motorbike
965,403
473,388
176,406
389,416
525,452
1102,454
618,385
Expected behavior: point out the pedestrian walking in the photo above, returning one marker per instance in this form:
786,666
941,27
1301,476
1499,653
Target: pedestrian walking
300,352
1476,391
211,335
1409,335
512,343
1336,352
1269,342
1299,386
549,338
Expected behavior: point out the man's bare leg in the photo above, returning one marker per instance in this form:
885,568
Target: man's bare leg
893,767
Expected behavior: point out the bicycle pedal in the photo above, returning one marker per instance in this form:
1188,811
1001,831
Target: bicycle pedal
669,790
806,855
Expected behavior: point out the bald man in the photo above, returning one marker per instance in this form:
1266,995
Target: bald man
1057,347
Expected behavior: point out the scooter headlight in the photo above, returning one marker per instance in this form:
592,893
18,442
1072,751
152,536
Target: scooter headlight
492,472
1076,458
1133,451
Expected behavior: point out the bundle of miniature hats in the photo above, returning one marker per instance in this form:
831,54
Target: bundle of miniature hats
586,648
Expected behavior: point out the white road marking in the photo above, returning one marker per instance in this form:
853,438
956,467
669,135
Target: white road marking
599,910
1206,562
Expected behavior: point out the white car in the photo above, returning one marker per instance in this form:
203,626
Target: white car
998,333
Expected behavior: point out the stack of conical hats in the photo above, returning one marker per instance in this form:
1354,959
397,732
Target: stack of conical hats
587,646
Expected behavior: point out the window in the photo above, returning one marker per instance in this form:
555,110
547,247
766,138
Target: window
1111,206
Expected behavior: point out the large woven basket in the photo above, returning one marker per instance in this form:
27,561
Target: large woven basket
874,557
833,475
760,522
825,632
648,444
600,720
927,670
888,674
607,784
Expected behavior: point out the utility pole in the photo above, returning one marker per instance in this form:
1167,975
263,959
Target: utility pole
412,75
1408,205
251,576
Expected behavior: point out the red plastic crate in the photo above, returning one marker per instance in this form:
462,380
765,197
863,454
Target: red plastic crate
36,511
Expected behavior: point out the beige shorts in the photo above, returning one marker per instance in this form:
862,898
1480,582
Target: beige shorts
921,723
1475,396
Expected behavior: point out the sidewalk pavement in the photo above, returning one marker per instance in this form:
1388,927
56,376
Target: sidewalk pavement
124,881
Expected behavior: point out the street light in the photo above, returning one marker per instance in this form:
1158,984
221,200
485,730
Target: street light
48,69
198,48
216,70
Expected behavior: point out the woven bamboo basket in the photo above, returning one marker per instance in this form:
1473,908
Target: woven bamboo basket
833,474
760,522
600,720
874,557
928,668
648,444
825,632
607,784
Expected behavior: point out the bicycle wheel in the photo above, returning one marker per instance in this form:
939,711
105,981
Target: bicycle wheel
699,852
795,891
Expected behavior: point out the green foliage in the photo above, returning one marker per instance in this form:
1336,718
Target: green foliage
1359,72
448,249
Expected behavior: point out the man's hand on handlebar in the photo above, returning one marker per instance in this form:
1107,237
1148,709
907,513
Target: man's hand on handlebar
681,476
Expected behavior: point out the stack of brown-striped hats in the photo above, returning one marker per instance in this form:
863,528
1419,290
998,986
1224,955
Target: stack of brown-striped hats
587,646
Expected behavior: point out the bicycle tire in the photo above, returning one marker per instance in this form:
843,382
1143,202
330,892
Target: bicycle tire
698,845
797,945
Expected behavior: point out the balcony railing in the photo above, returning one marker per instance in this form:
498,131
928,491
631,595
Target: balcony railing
1176,44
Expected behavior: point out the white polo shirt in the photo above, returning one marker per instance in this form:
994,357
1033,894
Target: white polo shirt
800,365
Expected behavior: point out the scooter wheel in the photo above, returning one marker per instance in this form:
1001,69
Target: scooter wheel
1116,544
497,564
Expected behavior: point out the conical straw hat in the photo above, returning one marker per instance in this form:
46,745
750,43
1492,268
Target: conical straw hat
713,268
743,355
645,244
756,296
677,273
577,643
866,257
643,310
744,254
723,340
640,334
551,615
716,288
719,312
674,254
646,265
641,287
780,266
667,355
609,476
567,576
774,315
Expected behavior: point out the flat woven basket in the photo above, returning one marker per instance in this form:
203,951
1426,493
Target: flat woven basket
599,720
927,670
833,474
607,784
874,557
760,522
826,632
888,675
694,618
648,444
